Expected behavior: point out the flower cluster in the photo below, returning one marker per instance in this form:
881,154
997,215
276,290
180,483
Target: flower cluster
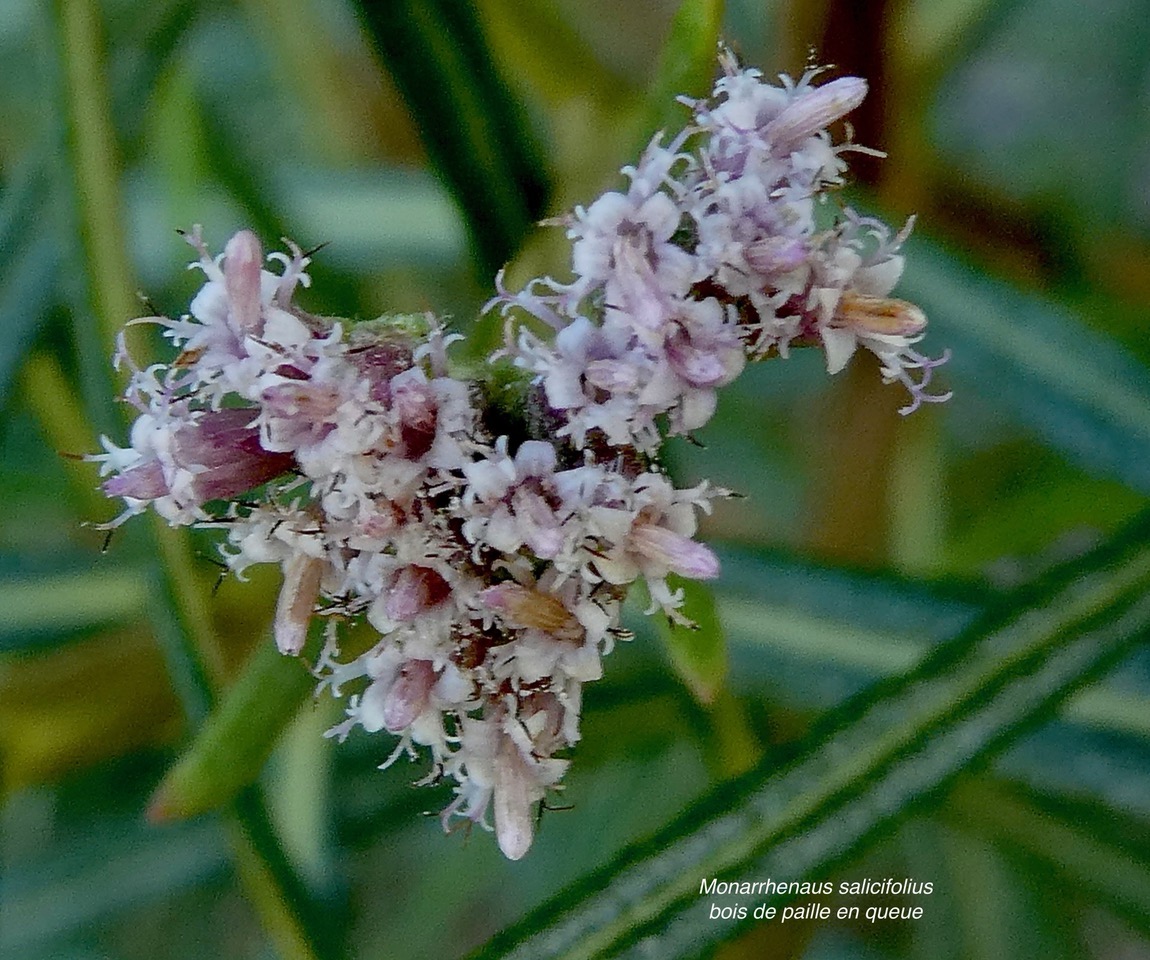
724,247
488,528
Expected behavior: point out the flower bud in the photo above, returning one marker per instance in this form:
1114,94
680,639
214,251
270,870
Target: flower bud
882,315
524,608
223,449
513,801
674,551
698,366
815,110
302,576
221,452
243,266
415,590
407,697
414,403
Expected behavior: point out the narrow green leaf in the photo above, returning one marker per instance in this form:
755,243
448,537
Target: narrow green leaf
873,761
1104,857
821,628
290,916
101,875
699,655
235,741
32,255
686,65
474,131
80,600
1080,391
95,164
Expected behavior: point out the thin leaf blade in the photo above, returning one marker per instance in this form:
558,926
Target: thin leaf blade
1081,392
874,760
475,133
239,735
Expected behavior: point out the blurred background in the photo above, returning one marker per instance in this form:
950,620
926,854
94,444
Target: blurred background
1018,131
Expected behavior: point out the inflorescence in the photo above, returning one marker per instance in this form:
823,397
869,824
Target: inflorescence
487,528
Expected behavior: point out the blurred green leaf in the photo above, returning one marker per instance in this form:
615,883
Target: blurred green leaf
878,757
146,38
180,618
698,655
1081,392
818,628
1091,850
118,868
235,741
515,27
78,600
686,66
997,912
32,258
290,915
474,131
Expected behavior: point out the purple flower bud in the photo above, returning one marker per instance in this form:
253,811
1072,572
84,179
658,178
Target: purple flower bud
407,697
414,403
674,551
223,449
220,450
415,590
379,362
243,266
815,110
700,368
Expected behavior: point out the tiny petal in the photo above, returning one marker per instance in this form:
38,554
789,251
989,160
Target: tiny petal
776,254
142,482
614,376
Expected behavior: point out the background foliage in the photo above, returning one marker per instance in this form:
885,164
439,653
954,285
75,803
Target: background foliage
889,595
